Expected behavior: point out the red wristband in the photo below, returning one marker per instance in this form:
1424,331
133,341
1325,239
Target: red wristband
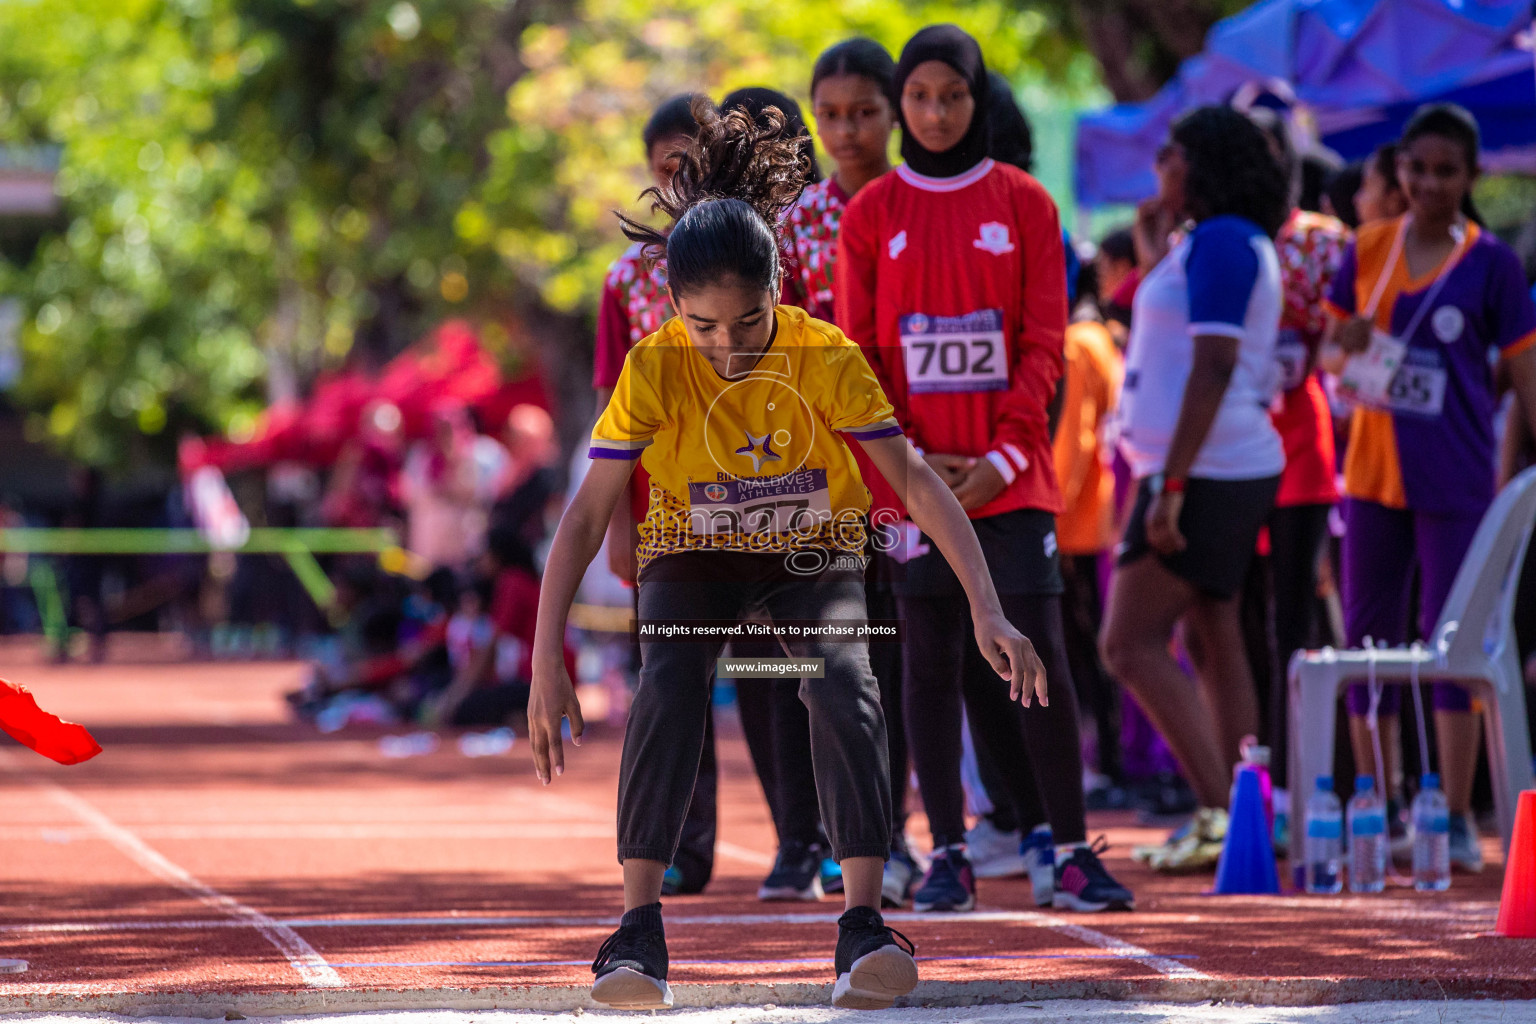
1174,484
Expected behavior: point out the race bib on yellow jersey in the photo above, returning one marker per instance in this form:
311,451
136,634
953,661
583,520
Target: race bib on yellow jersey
954,353
792,503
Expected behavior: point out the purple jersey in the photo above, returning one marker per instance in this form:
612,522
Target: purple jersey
1432,449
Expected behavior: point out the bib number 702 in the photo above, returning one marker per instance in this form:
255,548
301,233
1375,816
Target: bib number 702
956,358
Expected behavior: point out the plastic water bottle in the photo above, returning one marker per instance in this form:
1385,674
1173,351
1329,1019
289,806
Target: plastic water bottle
1431,837
1367,838
1323,857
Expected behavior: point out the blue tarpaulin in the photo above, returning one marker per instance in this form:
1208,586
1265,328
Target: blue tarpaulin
1359,67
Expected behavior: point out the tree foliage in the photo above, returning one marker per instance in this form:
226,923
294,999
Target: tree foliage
256,189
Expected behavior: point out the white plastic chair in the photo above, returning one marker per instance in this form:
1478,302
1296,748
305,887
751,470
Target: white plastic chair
1474,645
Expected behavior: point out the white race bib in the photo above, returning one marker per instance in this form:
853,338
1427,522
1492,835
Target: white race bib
955,353
796,503
1367,377
1417,389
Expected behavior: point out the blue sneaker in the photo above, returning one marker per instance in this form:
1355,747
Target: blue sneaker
950,885
1038,852
1084,884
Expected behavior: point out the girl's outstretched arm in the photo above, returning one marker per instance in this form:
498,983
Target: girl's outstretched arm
577,541
935,510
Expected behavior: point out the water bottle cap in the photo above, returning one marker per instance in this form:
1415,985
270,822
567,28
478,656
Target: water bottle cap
1365,782
1430,780
1325,783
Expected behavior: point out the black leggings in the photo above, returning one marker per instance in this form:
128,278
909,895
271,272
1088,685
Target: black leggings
943,663
1279,610
1082,615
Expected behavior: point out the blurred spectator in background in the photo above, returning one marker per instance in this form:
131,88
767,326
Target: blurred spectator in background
86,603
529,483
1118,276
1381,195
1094,369
439,487
364,487
1339,196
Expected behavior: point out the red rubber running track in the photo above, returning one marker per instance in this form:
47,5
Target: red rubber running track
219,856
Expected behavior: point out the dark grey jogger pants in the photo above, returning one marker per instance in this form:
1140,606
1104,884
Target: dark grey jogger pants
666,721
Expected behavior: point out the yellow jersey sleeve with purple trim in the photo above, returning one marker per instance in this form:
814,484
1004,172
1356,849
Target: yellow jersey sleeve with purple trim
633,416
755,461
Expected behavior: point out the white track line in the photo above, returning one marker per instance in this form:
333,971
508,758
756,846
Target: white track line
742,853
303,957
277,830
1161,964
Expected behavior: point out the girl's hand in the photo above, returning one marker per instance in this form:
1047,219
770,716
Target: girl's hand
552,698
950,468
980,485
1353,335
1011,656
1163,523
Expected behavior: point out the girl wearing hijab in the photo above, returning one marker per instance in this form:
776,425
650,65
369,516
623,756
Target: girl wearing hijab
951,277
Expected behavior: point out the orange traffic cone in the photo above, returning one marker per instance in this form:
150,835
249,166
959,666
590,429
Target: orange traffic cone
1517,906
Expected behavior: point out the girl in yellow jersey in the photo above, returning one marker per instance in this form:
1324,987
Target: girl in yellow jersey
742,412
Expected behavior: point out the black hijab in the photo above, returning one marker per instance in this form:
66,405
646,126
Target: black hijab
1012,141
954,47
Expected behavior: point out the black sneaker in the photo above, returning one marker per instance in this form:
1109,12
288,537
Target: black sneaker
1084,884
950,884
631,966
874,963
796,874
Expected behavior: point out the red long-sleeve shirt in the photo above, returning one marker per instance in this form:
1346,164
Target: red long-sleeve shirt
956,290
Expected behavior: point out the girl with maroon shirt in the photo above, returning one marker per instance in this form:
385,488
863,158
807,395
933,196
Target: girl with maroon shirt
951,276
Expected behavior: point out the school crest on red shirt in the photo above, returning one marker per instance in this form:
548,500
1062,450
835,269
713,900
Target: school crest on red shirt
994,239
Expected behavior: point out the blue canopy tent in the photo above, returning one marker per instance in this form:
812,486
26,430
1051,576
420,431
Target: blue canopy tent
1359,67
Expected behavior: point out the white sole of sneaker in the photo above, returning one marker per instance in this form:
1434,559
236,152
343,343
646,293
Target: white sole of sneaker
1067,901
876,980
628,989
924,908
1042,883
769,894
1003,867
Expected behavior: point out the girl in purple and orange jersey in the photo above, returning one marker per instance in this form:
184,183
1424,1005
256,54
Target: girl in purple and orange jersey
1420,472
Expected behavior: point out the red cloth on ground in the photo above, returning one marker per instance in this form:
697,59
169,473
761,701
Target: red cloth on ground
49,735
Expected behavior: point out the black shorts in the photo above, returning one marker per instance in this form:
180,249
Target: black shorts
1220,522
1020,548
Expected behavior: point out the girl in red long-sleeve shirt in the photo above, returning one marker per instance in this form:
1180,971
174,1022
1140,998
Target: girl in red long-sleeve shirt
951,276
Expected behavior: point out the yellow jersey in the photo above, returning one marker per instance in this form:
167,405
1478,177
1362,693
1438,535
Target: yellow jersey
757,460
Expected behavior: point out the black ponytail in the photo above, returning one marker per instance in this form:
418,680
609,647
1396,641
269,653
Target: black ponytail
1453,122
734,183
